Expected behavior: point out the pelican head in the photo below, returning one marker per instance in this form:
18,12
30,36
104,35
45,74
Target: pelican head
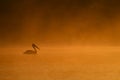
35,46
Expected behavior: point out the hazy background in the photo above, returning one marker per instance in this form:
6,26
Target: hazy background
69,22
94,24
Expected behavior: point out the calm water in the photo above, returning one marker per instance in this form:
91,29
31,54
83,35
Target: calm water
57,65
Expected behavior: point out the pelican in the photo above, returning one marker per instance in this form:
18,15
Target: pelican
32,51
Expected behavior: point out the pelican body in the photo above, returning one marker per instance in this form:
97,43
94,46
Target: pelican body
32,51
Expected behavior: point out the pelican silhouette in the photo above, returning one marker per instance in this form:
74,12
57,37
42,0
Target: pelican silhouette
32,51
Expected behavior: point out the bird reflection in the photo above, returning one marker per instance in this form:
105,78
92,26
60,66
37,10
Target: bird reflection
32,51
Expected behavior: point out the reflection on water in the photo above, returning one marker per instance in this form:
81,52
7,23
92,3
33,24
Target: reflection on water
58,66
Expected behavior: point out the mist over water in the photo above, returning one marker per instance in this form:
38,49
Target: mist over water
78,39
60,63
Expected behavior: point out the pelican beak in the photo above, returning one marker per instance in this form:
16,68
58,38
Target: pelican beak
37,47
